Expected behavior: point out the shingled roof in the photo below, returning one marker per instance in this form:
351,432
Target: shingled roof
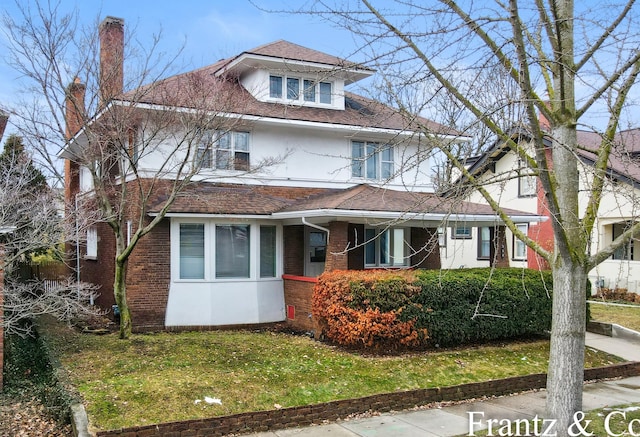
207,88
229,199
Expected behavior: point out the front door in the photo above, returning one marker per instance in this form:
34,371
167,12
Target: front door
315,252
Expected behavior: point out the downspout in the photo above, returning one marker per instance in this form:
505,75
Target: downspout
313,225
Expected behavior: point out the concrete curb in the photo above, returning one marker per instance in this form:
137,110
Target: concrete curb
626,333
613,330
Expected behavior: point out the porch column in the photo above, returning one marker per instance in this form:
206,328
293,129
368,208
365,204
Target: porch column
425,242
499,254
337,254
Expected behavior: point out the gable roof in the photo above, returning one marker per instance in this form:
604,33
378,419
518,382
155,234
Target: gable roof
624,160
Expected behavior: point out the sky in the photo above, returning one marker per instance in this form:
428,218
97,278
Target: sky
209,30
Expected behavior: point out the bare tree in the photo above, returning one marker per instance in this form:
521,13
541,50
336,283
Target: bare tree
562,62
30,209
134,141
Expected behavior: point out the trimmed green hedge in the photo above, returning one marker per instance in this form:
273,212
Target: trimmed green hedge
451,306
478,305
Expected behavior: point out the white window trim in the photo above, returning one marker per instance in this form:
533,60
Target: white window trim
393,245
524,228
209,250
92,243
380,147
300,100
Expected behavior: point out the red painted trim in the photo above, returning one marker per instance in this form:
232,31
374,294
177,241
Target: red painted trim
299,278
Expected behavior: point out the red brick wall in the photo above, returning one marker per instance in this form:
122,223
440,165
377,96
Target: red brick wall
541,232
298,293
261,421
148,279
337,258
100,270
1,313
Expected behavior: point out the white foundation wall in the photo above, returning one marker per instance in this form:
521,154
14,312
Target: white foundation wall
225,303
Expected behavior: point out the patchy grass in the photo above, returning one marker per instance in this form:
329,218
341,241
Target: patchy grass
159,377
627,316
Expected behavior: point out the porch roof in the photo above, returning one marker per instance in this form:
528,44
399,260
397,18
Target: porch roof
357,203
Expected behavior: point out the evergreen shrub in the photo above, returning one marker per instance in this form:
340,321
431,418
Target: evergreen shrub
403,309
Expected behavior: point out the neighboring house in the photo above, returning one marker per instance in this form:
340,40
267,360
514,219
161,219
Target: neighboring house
511,184
354,192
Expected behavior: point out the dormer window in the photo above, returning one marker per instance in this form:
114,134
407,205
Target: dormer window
300,90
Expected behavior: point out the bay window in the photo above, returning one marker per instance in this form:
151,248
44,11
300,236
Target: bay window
210,250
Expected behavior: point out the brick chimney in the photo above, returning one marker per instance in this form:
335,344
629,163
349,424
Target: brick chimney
74,108
543,121
111,58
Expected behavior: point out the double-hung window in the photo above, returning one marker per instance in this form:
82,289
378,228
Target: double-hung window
527,182
371,160
227,150
519,247
92,242
298,89
232,151
484,243
385,247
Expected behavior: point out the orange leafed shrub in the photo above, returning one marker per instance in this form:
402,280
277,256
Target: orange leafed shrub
362,308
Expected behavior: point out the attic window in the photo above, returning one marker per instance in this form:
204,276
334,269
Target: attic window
300,90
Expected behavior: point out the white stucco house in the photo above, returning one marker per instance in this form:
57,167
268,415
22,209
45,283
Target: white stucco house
237,247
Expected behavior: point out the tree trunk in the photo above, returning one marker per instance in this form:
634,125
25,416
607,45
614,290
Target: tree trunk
120,294
566,356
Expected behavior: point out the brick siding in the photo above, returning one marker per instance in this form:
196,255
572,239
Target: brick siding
337,246
262,421
148,279
298,293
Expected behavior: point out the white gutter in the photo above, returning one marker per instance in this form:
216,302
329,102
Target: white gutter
370,215
470,218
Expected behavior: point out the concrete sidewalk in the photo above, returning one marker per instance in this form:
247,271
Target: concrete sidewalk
455,420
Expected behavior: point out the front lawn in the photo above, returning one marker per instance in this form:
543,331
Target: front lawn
178,376
627,316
